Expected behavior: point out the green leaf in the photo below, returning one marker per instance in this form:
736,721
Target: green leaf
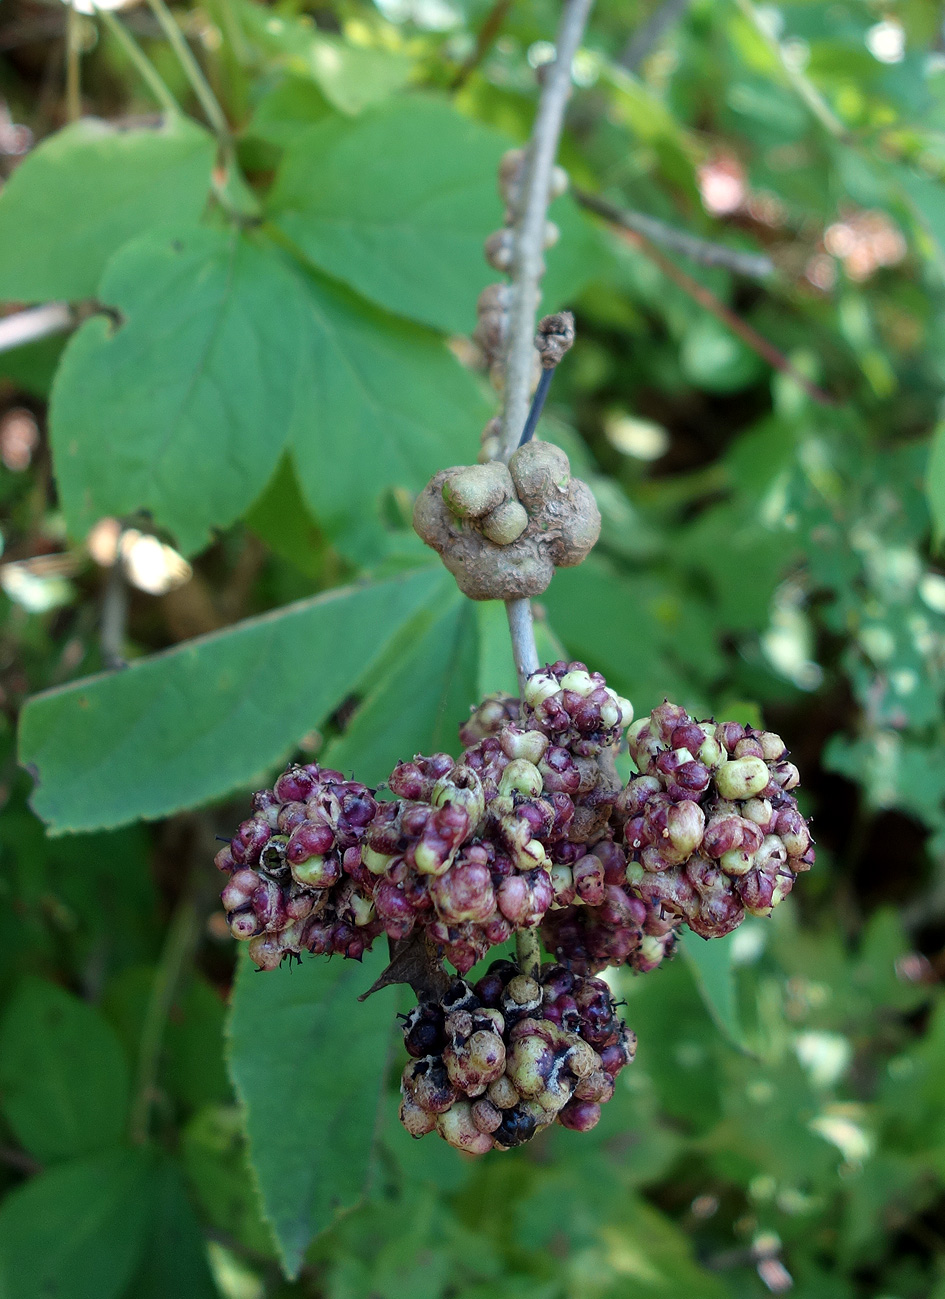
63,1074
174,1263
85,191
935,483
76,1231
205,718
710,962
308,1063
213,1148
440,649
397,204
184,407
381,403
351,77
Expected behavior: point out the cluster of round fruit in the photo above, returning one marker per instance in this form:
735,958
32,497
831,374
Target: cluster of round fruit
529,828
475,849
711,827
494,1064
296,881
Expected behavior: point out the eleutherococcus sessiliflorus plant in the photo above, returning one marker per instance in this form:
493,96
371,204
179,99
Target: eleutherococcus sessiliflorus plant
529,834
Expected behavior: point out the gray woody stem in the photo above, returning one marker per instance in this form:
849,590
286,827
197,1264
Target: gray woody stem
527,268
33,324
704,251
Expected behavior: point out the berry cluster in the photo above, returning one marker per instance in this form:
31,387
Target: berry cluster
494,1064
529,828
475,849
710,826
296,879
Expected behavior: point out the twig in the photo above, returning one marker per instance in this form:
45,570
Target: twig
487,34
33,324
529,229
137,57
192,70
650,34
747,333
73,65
803,86
178,948
528,952
755,265
114,615
527,266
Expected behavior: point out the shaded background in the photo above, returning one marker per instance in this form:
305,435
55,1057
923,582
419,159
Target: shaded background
763,441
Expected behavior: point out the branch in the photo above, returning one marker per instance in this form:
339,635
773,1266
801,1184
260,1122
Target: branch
484,41
114,614
179,947
33,324
527,268
755,265
529,228
650,34
193,72
801,84
140,61
747,333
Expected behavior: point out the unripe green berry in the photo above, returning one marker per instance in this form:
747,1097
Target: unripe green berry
737,861
462,788
429,860
521,777
415,1119
502,1093
579,682
458,1127
376,862
742,778
529,1064
317,872
538,687
530,745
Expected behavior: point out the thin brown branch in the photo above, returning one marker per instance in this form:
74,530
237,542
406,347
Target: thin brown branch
641,43
484,42
747,333
755,265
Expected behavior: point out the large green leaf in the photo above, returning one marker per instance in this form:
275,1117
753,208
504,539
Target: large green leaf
396,720
710,961
380,403
935,483
349,76
63,1074
397,204
184,407
200,720
76,1231
308,1064
174,1261
85,191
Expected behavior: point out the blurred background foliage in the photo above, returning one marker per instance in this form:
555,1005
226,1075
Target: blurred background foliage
761,427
